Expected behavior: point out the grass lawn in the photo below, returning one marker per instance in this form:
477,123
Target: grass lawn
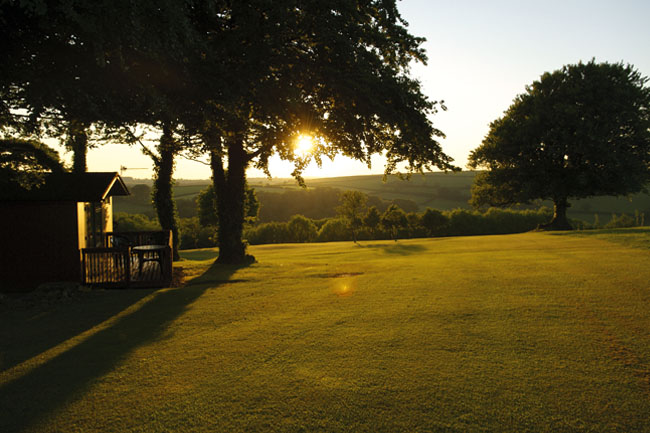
530,332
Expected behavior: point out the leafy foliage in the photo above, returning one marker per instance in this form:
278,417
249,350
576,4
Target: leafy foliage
334,229
302,229
124,222
237,80
352,208
206,203
24,163
580,131
620,221
336,71
393,220
434,222
372,219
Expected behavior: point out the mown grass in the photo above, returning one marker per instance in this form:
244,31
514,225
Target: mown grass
515,333
635,237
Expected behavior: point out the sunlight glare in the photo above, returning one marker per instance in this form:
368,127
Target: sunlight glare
304,145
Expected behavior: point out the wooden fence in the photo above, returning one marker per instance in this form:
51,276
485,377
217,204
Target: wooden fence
106,266
125,265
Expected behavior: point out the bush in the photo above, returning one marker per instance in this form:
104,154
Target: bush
334,230
301,229
124,222
619,222
494,221
397,224
434,222
194,235
463,222
504,221
268,233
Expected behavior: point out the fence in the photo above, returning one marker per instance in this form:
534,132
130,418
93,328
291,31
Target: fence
135,259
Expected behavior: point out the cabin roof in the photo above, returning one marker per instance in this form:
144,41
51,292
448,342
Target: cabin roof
77,187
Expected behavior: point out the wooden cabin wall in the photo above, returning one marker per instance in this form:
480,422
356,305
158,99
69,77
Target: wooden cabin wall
39,243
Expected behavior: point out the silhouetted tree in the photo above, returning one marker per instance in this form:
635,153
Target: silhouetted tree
434,222
206,202
580,131
414,223
336,71
302,229
80,63
372,219
24,164
351,209
393,220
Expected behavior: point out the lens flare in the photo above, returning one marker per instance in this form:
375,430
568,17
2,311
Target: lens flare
304,145
344,286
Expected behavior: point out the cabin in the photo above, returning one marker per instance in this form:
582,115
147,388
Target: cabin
63,231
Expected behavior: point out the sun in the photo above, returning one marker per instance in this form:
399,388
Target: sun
304,145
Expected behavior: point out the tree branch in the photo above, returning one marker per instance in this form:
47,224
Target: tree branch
134,138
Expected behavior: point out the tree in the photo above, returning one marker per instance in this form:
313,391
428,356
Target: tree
580,131
351,209
246,78
23,164
414,224
302,229
206,203
393,219
72,64
434,222
372,219
335,71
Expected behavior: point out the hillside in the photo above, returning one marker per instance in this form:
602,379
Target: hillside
444,191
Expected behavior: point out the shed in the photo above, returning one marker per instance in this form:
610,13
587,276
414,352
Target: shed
43,230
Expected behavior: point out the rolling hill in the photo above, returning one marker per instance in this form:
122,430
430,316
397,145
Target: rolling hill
444,191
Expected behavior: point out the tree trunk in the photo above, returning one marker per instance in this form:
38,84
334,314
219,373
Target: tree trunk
78,142
162,188
559,221
229,187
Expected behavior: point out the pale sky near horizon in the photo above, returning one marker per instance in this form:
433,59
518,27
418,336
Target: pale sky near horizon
481,55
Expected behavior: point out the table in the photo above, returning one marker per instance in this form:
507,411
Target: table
141,250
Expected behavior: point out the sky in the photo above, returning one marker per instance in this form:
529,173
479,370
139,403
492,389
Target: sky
481,55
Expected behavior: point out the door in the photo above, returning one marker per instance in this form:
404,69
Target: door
96,222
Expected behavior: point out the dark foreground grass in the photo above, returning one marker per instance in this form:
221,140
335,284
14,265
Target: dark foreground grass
504,333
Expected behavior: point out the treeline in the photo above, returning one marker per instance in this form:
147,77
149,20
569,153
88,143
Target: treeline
395,224
329,214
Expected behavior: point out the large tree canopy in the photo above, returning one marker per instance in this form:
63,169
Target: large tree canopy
24,164
72,64
580,131
336,71
242,79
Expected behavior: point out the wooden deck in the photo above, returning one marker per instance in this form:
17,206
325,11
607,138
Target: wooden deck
122,266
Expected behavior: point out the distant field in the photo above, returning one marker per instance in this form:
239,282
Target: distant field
531,332
444,191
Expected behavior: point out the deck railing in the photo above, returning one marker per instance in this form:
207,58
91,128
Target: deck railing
106,266
122,264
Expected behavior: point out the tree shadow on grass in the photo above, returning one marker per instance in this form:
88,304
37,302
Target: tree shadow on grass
200,254
399,249
616,231
35,395
29,329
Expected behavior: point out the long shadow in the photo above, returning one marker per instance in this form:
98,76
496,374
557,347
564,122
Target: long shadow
399,249
26,331
49,387
618,231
